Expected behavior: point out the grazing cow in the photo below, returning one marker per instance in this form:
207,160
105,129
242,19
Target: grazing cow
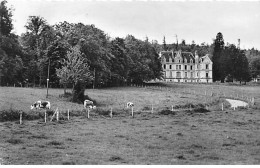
89,104
41,105
129,104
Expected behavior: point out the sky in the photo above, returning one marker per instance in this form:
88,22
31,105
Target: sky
189,20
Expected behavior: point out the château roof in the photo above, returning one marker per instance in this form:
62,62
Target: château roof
173,54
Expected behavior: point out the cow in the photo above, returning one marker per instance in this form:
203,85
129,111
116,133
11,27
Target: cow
89,104
129,104
41,105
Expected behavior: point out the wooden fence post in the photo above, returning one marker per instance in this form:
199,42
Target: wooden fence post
222,107
88,112
68,114
45,116
111,113
21,116
57,115
133,112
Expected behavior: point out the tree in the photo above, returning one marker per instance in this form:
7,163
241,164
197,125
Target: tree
241,68
217,52
255,66
120,69
36,36
6,25
75,70
10,51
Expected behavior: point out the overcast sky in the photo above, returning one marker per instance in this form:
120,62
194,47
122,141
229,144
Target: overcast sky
199,21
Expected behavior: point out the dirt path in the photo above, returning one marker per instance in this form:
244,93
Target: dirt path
237,103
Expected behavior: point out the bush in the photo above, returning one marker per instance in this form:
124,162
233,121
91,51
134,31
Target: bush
14,115
199,110
14,141
188,105
9,115
167,112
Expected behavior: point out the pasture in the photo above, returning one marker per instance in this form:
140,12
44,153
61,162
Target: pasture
181,135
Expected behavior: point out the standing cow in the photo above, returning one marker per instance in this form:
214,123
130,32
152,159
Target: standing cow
41,105
89,104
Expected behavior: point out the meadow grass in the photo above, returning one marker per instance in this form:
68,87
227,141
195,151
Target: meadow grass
183,136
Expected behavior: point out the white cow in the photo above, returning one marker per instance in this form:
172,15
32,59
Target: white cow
41,105
129,104
89,104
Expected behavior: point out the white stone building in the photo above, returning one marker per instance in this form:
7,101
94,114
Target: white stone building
181,66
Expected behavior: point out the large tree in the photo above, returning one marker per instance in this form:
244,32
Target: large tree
217,52
75,70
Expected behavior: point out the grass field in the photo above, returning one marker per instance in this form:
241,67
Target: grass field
182,137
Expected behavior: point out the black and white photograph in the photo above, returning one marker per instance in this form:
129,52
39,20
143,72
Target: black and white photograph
129,82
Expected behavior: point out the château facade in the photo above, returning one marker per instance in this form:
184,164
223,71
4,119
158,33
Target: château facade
181,66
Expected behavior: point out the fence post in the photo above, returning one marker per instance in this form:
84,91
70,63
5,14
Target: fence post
133,112
68,114
222,107
152,108
111,113
57,115
88,112
45,116
172,108
21,116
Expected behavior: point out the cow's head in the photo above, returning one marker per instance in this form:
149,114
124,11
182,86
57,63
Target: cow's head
129,104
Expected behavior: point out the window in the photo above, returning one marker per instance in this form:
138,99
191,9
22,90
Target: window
178,74
170,74
207,75
179,61
170,66
180,67
207,66
191,67
177,67
191,75
197,74
185,67
186,74
164,66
